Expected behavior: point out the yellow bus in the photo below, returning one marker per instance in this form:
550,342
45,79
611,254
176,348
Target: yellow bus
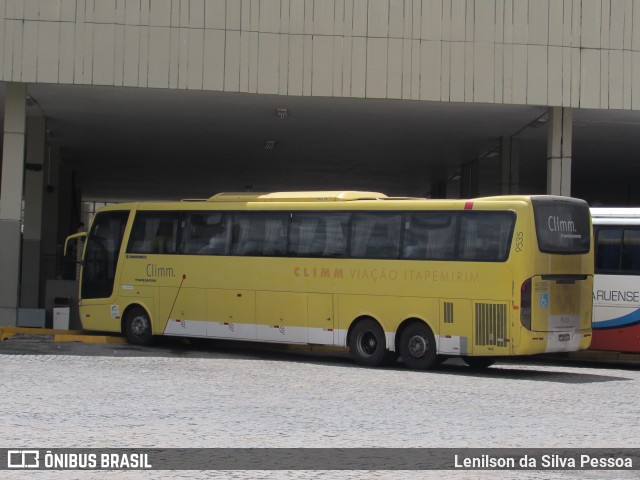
386,277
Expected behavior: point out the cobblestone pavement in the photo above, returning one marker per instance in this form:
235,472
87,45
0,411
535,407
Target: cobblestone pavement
74,395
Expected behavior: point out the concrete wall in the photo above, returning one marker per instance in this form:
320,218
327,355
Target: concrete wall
577,53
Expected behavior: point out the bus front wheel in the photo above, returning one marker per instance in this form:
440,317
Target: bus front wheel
367,343
417,346
137,326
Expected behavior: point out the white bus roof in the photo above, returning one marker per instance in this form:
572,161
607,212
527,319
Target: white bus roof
616,216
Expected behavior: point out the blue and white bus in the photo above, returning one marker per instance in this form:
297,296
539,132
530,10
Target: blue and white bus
616,292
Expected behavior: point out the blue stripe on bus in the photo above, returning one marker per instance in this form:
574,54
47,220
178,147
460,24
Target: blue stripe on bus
628,320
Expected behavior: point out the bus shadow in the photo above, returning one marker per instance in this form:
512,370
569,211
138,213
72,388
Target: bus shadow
601,364
509,371
172,347
502,370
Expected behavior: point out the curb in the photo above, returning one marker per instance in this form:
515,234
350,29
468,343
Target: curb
65,337
60,336
8,332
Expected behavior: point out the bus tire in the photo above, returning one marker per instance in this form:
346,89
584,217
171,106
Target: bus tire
417,346
367,343
137,327
479,363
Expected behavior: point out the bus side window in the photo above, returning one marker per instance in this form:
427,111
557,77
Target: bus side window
154,232
245,235
275,231
318,234
486,237
376,235
207,234
608,249
336,228
631,251
167,236
260,233
415,239
304,237
196,236
430,235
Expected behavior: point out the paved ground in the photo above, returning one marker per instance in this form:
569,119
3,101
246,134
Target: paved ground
216,395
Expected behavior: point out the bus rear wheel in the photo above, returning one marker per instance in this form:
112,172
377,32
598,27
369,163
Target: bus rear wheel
417,346
137,327
479,363
367,343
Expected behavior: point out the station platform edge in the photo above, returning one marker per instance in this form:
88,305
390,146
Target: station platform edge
61,335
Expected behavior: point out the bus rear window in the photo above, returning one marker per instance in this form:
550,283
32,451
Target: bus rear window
562,225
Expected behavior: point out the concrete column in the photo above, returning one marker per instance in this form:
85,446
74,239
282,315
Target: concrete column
11,199
559,138
69,212
51,246
510,164
438,189
469,180
32,232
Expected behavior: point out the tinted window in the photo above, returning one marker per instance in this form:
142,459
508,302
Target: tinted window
608,248
631,251
376,235
101,254
430,235
257,234
319,234
207,233
562,225
473,236
486,236
154,232
617,250
452,235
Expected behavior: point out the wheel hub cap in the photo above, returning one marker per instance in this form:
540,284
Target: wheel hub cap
368,344
418,346
139,325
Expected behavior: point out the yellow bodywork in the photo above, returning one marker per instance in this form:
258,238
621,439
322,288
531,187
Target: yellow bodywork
316,300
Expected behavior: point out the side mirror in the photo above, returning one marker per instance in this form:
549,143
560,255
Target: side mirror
75,236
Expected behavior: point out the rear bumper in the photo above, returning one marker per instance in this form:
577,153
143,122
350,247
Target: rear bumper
567,341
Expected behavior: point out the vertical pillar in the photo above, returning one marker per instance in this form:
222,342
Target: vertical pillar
50,246
11,199
559,138
32,232
453,188
469,180
69,211
438,189
510,163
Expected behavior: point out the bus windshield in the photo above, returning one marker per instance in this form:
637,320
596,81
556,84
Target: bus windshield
101,254
562,225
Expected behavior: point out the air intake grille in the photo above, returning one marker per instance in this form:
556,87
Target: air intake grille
448,312
491,324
